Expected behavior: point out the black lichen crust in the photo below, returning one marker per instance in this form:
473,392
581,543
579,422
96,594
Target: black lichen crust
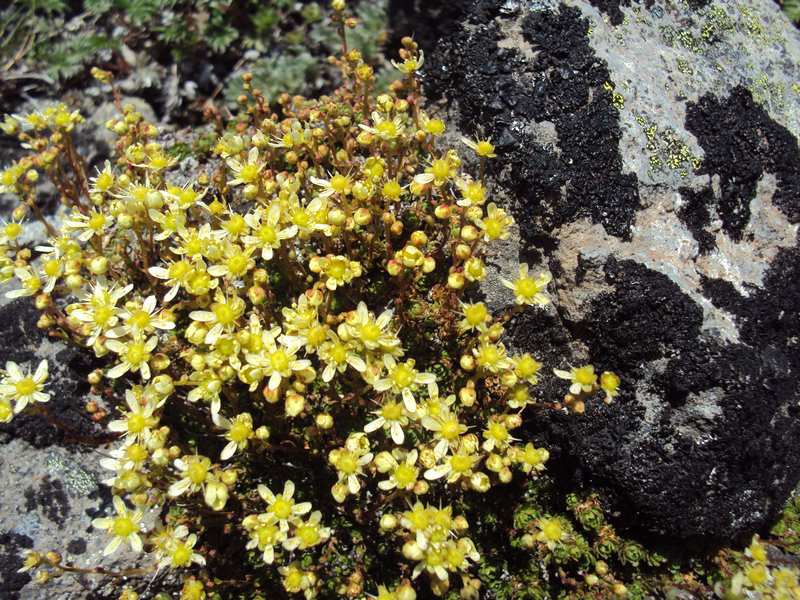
732,474
498,87
741,143
12,549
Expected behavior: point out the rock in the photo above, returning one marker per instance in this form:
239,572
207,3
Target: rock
650,156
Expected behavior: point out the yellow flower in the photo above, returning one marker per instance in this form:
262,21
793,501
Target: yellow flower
474,269
279,361
170,223
308,534
196,473
223,316
403,379
267,234
384,128
178,551
391,416
234,264
295,579
434,127
138,423
96,223
282,507
410,65
495,225
526,368
473,193
609,383
31,283
175,274
246,172
337,356
550,531
496,435
349,463
239,432
141,319
103,181
265,534
476,316
456,465
372,333
531,458
23,388
491,357
98,309
583,378
447,430
529,290
439,171
338,184
338,270
133,355
125,527
404,474
482,148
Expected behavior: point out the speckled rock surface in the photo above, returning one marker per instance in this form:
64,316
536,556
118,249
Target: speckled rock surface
650,155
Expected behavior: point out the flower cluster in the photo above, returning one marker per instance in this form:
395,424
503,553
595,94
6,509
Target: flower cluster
305,300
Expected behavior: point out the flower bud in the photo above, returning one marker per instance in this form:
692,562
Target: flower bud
405,592
388,522
394,268
467,362
229,477
384,462
163,384
336,217
443,211
494,462
324,421
339,492
216,495
456,280
460,523
160,361
467,395
480,482
469,233
508,379
74,281
362,216
463,252
295,403
418,239
412,551
421,487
